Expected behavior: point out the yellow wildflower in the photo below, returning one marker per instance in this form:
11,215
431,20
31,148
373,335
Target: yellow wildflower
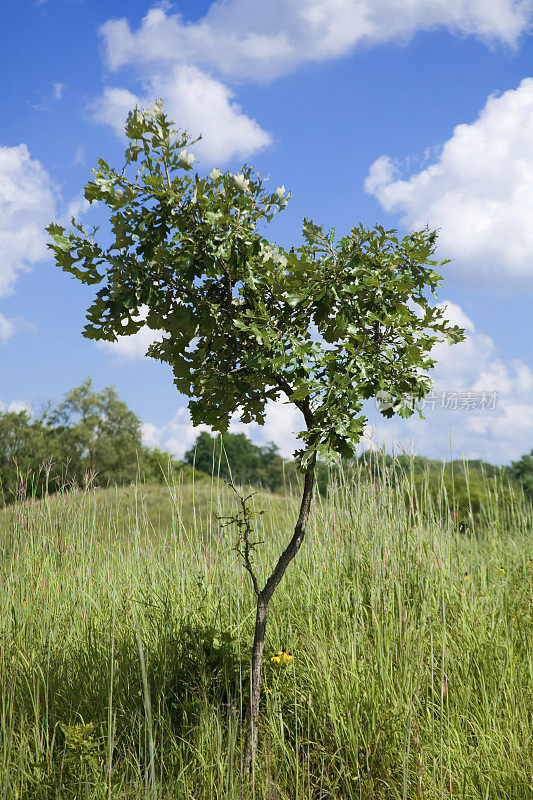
281,657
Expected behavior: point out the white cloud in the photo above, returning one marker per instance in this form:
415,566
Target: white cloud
498,434
75,208
281,423
15,406
79,155
7,329
262,40
58,89
27,204
177,436
112,108
130,348
48,98
256,40
151,434
204,104
134,346
479,193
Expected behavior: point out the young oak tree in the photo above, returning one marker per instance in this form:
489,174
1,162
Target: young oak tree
326,325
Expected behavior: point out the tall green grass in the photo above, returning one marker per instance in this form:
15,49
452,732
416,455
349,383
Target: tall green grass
126,623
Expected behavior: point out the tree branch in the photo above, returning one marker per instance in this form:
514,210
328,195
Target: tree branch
166,168
245,553
303,405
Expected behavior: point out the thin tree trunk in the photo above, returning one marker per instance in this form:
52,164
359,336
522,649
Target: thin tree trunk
250,751
263,599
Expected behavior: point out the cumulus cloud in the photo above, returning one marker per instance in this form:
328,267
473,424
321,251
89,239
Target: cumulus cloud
15,406
206,106
7,329
183,62
176,436
281,423
130,348
480,403
258,40
27,204
479,193
112,107
75,208
79,155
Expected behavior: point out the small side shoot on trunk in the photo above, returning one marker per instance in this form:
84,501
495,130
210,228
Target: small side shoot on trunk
325,325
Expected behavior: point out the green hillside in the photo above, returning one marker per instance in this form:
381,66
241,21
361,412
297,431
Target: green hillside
126,621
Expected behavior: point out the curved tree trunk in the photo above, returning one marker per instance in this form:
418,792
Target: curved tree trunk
252,732
263,599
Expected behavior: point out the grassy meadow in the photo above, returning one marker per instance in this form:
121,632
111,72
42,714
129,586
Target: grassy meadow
126,624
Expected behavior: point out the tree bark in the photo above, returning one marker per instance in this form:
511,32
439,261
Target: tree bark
263,599
250,750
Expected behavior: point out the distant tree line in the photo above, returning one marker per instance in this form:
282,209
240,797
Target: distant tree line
90,436
94,436
235,459
522,471
459,485
465,479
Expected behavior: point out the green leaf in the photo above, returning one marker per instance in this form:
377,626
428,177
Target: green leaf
293,299
242,319
62,242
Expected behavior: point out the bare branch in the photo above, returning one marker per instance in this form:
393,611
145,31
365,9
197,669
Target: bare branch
248,545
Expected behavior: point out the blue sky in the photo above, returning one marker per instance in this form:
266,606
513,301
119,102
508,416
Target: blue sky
402,112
